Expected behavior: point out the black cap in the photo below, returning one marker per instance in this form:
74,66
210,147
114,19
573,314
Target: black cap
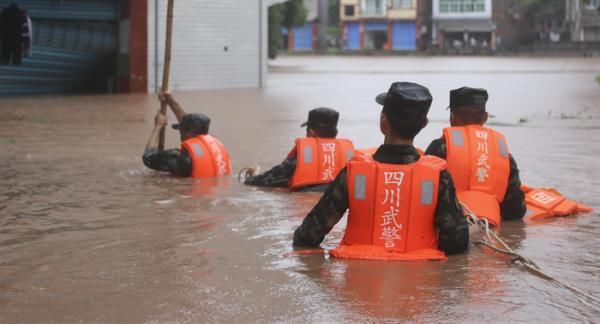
405,100
468,97
322,118
193,123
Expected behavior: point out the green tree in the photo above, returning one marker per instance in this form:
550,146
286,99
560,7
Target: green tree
334,12
537,10
294,14
289,14
275,20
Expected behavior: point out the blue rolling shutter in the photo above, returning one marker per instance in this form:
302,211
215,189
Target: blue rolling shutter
353,32
73,50
303,37
404,36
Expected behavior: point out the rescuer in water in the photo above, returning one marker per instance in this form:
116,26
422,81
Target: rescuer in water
485,174
314,161
200,156
402,205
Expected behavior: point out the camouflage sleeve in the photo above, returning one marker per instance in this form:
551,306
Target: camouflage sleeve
437,148
328,212
279,176
453,229
173,160
513,206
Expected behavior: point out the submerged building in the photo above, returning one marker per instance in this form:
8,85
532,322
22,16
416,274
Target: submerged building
389,25
583,20
104,46
459,23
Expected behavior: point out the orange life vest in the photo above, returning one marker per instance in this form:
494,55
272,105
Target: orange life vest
319,160
548,202
209,156
479,163
392,209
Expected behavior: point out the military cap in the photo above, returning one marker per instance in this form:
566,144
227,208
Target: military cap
322,118
468,97
193,123
405,100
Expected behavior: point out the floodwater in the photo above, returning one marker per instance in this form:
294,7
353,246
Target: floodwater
88,234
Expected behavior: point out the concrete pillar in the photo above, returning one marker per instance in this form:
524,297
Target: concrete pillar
390,34
361,31
133,47
138,44
323,13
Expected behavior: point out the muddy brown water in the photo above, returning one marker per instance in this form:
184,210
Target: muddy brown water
88,234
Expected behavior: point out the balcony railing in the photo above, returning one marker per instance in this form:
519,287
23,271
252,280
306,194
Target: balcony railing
373,12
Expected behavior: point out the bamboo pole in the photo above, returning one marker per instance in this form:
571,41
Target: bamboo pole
166,69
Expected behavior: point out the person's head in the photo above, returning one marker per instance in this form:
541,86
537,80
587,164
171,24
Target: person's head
322,122
405,108
192,125
467,106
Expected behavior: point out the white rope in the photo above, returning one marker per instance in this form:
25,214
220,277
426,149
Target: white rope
491,240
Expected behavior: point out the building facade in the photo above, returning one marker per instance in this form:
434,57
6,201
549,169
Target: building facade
107,46
461,24
583,20
388,25
214,44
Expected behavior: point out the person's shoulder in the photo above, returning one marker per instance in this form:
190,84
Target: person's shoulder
437,147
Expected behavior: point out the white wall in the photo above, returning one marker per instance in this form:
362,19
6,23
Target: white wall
462,15
201,31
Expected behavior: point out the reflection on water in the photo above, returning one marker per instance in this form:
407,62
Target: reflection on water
88,234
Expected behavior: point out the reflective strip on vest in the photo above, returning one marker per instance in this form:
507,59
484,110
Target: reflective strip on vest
426,192
197,150
457,138
349,155
503,149
360,187
308,155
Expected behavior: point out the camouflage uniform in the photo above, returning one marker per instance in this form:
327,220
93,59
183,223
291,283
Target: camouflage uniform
280,175
175,161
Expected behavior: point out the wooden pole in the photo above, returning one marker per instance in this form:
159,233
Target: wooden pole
166,69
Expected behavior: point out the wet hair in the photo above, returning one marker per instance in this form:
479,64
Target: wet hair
325,132
407,128
470,114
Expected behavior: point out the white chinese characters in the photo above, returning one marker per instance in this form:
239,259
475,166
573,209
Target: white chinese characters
328,161
390,228
218,155
483,168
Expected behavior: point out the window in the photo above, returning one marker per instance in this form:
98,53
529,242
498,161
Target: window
479,5
593,3
454,6
374,7
444,6
402,4
349,11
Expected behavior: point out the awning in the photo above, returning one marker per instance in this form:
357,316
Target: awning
454,26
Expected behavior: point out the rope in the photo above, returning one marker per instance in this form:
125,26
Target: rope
491,240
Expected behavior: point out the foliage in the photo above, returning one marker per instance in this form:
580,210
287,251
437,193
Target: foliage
334,12
275,21
544,9
598,79
289,15
294,14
